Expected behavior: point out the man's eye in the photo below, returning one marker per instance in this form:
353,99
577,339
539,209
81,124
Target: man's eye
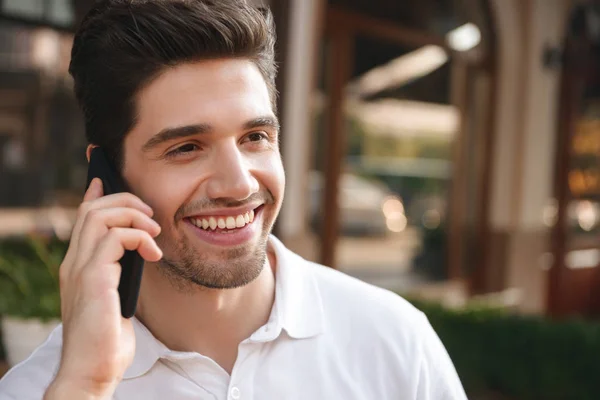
257,137
182,150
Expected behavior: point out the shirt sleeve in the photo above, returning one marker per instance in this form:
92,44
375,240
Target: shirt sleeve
437,378
29,379
25,382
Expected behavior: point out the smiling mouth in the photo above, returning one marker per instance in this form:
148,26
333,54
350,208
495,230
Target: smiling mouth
225,223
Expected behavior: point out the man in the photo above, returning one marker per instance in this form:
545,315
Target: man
181,94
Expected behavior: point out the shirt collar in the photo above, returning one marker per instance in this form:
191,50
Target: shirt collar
298,305
297,309
148,350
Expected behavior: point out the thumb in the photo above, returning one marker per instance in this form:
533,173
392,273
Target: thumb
94,191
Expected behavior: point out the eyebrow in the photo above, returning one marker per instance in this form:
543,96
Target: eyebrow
179,132
262,122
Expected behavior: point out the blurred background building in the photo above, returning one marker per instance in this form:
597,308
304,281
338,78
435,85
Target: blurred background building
444,147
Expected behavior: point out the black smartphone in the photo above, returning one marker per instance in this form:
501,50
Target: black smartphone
132,264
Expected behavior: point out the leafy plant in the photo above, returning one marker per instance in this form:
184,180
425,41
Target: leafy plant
517,356
29,285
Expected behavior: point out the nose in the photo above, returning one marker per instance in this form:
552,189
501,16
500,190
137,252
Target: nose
232,177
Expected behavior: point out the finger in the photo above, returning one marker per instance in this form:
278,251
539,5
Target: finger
122,217
110,201
98,222
123,199
112,247
102,271
94,191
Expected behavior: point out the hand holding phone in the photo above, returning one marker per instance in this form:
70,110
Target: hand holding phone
132,264
98,343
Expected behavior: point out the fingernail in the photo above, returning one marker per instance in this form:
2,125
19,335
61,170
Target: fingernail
98,187
93,188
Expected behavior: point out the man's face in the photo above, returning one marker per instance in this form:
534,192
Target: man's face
204,155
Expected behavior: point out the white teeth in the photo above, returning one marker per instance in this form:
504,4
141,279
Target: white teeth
239,221
230,223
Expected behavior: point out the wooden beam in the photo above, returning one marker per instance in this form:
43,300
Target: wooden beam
570,90
455,235
483,242
340,51
341,19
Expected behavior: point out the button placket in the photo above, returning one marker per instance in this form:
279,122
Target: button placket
240,386
235,393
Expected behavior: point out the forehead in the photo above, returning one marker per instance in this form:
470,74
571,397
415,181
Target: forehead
217,92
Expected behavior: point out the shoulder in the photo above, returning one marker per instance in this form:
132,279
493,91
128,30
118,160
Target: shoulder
386,333
354,297
374,315
29,379
340,296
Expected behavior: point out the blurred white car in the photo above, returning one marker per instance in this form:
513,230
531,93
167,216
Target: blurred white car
366,207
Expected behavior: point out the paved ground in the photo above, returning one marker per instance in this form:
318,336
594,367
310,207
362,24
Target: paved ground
393,253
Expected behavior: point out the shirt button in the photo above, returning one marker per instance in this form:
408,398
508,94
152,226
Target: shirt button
235,393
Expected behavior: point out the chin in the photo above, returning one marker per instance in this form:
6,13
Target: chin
215,268
190,262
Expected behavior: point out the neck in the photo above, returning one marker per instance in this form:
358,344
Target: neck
211,322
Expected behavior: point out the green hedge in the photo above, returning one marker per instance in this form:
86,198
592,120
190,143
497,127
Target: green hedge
29,278
520,357
29,285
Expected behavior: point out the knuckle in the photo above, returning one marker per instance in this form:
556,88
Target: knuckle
134,214
114,234
94,216
146,237
83,209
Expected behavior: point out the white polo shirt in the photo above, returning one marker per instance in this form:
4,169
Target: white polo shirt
329,337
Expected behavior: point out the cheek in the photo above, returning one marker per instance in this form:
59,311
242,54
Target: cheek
272,175
165,192
165,188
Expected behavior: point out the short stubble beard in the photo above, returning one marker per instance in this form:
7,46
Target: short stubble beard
188,270
192,270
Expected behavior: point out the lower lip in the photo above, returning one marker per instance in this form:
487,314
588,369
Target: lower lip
233,238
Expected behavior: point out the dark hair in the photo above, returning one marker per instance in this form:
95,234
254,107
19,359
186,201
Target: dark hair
123,45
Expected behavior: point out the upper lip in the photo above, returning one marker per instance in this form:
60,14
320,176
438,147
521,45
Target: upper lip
226,212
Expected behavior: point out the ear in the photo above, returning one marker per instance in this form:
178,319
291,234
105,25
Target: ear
88,151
